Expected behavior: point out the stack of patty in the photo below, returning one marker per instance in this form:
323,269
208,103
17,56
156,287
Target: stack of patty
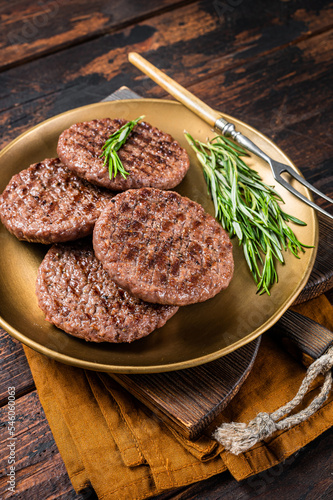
153,250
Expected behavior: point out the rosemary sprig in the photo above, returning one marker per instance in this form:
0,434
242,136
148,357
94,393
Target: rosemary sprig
248,208
113,144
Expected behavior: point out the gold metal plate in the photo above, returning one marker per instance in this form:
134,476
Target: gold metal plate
196,334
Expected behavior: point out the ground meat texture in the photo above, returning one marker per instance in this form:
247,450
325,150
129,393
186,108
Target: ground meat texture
162,247
77,295
47,203
152,157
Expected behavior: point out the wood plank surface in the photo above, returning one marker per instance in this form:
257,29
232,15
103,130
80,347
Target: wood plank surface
103,62
33,29
162,39
268,64
321,278
14,370
39,470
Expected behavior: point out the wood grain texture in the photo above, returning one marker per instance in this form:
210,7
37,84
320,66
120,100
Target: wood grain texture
188,400
39,470
86,73
321,278
33,29
306,335
14,368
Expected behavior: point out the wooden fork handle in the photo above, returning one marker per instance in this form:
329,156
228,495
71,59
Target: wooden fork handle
182,95
205,112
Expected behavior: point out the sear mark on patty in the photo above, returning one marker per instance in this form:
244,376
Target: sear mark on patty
180,256
152,157
77,295
47,203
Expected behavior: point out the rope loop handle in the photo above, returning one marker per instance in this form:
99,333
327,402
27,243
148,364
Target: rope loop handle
240,437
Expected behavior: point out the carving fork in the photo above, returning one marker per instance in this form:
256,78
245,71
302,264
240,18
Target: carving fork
214,119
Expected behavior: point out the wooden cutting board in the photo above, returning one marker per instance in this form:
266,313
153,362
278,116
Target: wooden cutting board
188,400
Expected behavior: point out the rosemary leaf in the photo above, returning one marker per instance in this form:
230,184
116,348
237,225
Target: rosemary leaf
113,144
248,208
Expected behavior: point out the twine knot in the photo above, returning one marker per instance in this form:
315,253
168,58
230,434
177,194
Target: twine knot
240,437
263,425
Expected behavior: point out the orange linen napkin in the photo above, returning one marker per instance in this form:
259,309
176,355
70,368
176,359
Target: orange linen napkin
110,441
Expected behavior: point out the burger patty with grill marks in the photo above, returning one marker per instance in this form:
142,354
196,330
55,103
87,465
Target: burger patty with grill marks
163,247
150,156
77,295
47,203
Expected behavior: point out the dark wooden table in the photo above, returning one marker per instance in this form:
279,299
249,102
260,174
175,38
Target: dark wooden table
266,63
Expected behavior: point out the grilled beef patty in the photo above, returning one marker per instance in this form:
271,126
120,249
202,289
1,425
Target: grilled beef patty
78,296
152,157
162,247
47,203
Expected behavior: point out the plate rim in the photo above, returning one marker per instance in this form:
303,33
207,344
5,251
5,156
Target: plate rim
160,368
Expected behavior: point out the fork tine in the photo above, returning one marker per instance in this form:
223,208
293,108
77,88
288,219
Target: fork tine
228,129
301,180
294,191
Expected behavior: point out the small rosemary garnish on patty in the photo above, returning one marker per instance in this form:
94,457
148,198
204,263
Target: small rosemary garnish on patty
247,207
113,144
